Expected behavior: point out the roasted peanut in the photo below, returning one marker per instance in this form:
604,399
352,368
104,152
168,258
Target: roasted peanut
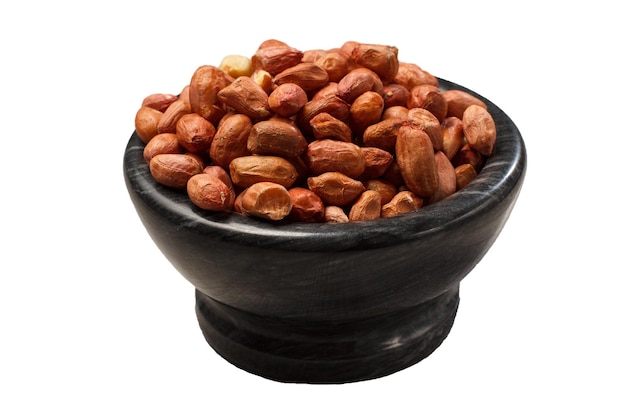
464,175
174,170
357,82
334,214
411,75
459,100
277,136
325,126
381,59
395,95
427,121
428,97
377,161
275,56
231,139
416,157
247,97
452,135
307,75
159,101
383,187
447,178
479,129
334,62
176,110
209,192
266,200
247,170
366,110
366,207
161,143
147,122
383,134
335,188
306,206
325,135
287,99
403,202
194,132
328,155
206,82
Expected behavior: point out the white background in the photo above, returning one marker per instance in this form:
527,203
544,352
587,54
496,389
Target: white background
95,322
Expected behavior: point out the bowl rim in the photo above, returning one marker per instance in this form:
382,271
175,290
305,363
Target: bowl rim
498,178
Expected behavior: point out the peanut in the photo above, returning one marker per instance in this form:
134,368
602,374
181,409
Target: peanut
428,97
334,214
277,136
366,207
307,75
161,143
247,97
335,188
174,170
306,206
464,175
325,135
146,123
459,100
247,170
327,155
266,200
402,202
287,99
209,192
194,132
416,158
480,129
231,139
325,126
205,83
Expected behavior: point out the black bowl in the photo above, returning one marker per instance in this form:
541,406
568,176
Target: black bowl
331,303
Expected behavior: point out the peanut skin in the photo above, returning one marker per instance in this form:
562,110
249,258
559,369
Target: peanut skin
416,157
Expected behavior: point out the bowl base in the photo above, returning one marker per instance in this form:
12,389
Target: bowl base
300,351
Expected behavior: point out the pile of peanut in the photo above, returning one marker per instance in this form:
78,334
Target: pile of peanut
337,135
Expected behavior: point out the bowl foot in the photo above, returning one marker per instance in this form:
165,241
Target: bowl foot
326,352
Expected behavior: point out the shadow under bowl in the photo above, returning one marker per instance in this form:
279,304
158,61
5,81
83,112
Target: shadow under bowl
331,303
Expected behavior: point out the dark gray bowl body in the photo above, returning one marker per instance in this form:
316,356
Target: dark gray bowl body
331,302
